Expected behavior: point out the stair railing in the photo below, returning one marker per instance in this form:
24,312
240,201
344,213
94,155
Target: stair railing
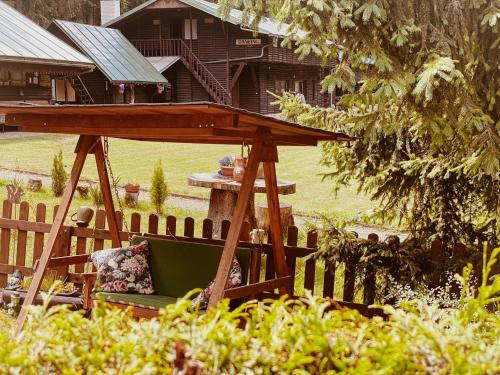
177,47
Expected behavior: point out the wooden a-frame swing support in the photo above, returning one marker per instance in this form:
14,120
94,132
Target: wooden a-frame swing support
267,154
190,123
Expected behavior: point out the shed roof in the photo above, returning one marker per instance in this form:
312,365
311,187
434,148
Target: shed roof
162,63
201,122
113,54
23,41
266,26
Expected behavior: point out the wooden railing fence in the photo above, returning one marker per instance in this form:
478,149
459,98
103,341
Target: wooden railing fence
22,237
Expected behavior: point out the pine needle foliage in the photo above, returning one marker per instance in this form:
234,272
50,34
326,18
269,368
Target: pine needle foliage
426,112
159,190
59,175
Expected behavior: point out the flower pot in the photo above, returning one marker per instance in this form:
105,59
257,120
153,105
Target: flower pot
132,188
34,184
226,171
132,194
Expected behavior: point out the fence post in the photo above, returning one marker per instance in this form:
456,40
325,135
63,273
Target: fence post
310,269
369,280
5,241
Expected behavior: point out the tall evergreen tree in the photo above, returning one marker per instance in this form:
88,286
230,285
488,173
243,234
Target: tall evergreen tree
427,110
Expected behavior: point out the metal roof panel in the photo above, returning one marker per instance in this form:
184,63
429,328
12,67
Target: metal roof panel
266,25
23,40
113,54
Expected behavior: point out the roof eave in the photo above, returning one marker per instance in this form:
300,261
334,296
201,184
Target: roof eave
36,61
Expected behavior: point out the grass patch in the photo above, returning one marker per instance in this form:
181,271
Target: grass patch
133,161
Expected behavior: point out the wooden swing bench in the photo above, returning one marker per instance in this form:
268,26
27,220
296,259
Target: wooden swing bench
200,123
177,267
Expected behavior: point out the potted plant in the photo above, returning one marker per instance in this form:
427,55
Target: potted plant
132,194
226,166
132,187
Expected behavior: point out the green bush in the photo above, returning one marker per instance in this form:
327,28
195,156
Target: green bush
159,191
96,196
278,338
59,175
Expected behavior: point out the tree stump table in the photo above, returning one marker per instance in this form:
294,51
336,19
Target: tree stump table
224,193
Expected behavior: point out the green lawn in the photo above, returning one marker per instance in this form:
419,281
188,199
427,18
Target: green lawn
133,162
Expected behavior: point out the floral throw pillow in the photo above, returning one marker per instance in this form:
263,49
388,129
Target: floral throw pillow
124,270
234,280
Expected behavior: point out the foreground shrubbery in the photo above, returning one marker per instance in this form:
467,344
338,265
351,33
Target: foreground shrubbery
277,338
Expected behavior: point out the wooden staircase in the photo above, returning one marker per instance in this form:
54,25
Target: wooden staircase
81,90
177,47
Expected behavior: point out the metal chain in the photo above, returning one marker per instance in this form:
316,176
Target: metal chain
115,185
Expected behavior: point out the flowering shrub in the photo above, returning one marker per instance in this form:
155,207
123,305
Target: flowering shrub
278,337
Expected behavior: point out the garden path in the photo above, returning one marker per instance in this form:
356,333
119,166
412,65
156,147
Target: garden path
199,204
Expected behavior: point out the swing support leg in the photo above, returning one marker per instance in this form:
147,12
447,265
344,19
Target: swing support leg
85,144
236,224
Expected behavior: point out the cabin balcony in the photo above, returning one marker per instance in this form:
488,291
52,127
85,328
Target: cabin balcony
158,47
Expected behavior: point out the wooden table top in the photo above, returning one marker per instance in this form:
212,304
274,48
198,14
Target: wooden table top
215,181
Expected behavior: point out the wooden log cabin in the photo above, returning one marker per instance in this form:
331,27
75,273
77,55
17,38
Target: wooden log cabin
122,74
34,65
205,58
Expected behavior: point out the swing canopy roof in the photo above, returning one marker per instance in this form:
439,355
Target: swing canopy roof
201,122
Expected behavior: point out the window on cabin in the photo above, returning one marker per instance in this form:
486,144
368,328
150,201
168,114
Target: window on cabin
191,29
282,86
299,87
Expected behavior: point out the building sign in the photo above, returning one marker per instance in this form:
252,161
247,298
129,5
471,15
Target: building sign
248,42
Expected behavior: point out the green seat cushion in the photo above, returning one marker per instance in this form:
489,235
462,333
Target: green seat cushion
178,267
152,301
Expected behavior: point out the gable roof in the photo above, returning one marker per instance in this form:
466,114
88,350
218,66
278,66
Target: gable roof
266,26
200,122
23,41
112,53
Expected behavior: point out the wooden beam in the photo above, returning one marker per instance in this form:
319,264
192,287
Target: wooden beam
255,80
237,74
266,137
109,206
97,121
236,224
85,143
268,285
275,220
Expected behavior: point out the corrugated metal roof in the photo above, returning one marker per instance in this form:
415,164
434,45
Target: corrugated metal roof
266,26
22,40
162,63
113,54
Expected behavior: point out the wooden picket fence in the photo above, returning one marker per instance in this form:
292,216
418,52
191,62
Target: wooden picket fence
22,241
